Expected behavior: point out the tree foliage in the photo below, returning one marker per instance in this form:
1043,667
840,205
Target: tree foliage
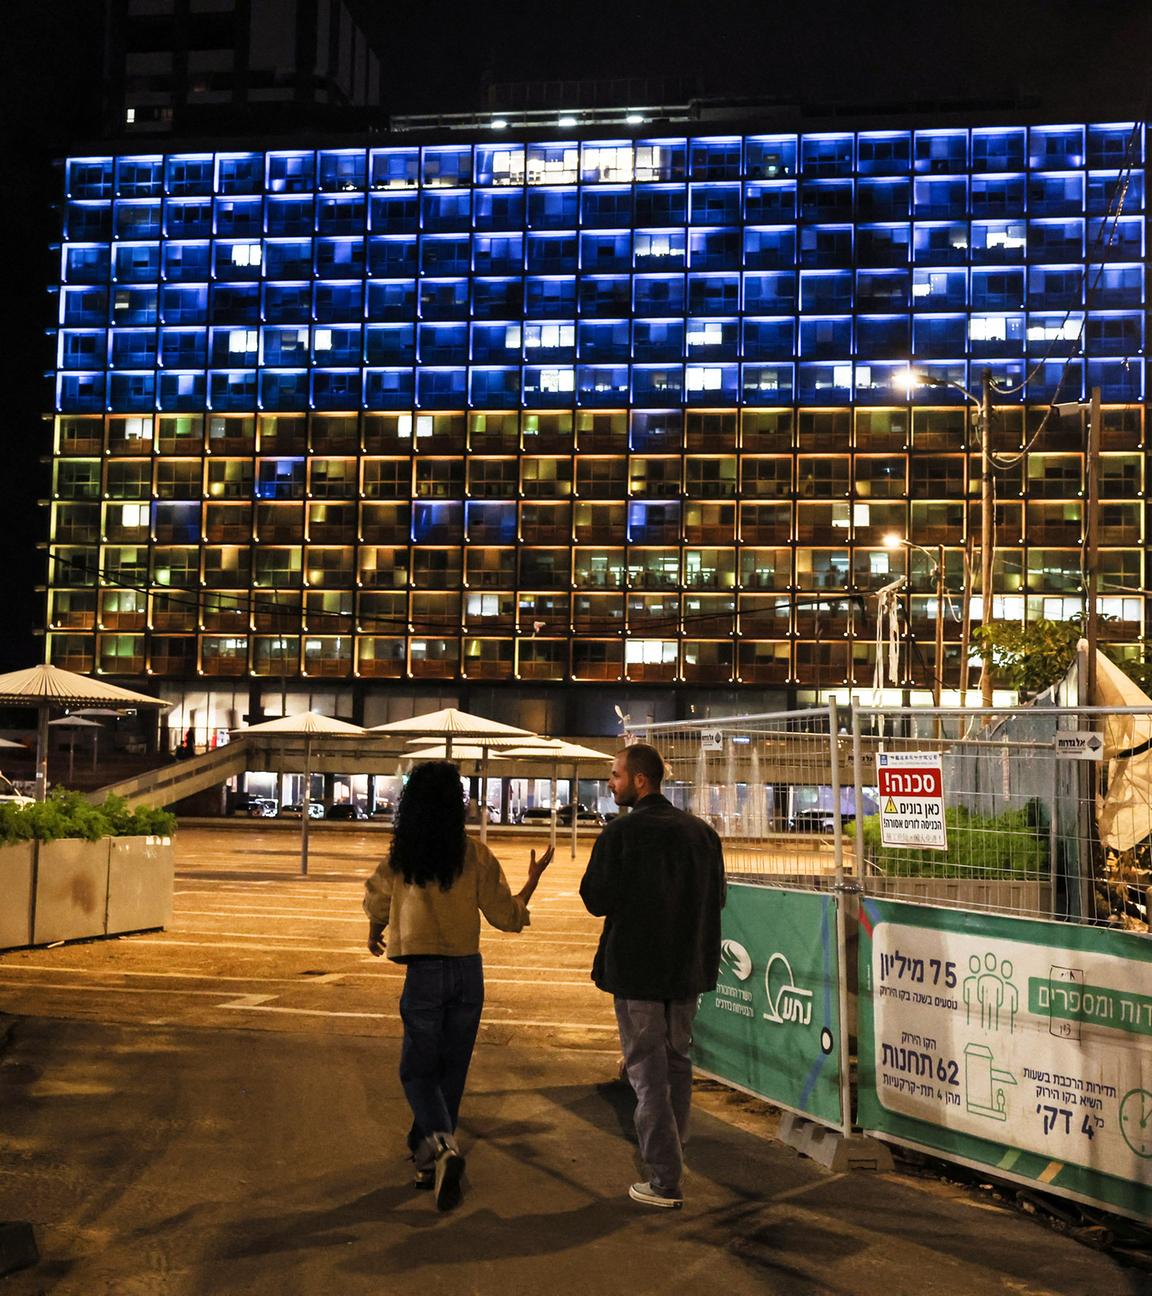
1031,657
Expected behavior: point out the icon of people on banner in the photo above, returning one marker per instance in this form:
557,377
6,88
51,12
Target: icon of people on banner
989,988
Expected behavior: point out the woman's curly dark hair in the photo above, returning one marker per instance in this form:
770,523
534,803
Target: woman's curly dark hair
428,827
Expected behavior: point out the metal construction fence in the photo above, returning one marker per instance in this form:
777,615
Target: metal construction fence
937,933
1039,812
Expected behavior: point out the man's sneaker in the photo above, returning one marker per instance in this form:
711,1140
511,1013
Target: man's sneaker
448,1171
648,1196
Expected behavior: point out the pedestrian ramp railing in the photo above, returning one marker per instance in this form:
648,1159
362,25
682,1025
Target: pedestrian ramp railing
171,783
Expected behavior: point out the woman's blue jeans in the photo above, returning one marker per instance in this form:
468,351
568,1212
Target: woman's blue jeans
441,1006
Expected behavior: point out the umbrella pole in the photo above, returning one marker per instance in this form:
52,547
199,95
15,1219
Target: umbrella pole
42,754
552,836
71,757
306,807
484,795
575,799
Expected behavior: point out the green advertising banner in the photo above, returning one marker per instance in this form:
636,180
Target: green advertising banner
772,1025
1020,1046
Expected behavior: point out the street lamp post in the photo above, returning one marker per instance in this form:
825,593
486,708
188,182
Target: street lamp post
908,378
937,559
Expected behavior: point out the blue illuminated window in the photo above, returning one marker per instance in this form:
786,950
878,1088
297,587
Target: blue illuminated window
554,298
604,208
139,177
447,211
389,388
391,257
940,242
826,200
341,169
340,258
288,258
88,222
939,336
495,389
280,479
338,345
882,336
340,215
767,157
290,216
136,262
133,348
337,302
336,389
826,290
133,392
998,150
604,295
770,249
288,303
824,337
91,178
239,173
609,340
184,303
769,294
80,393
189,174
86,350
770,202
997,289
713,294
498,209
86,264
394,213
826,155
661,204
291,172
497,298
1056,146
658,339
715,204
395,168
769,339
826,245
1056,195
233,391
883,245
447,167
443,344
941,151
445,299
134,306
439,387
553,209
997,195
237,303
878,200
934,290
389,344
498,254
883,290
446,255
1055,287
391,299
884,153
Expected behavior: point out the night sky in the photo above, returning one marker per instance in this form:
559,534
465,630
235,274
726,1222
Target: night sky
1070,59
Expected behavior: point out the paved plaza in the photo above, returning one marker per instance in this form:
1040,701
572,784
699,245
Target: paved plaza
215,1109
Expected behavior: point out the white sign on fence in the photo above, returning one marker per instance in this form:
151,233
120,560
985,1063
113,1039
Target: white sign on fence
711,740
1034,1036
911,788
1081,745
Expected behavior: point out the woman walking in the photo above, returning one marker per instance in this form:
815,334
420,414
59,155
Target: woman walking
429,893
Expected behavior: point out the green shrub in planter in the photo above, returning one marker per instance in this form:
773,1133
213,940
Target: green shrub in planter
68,814
1009,847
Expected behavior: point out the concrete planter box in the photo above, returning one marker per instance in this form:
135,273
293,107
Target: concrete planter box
140,883
965,893
17,878
73,890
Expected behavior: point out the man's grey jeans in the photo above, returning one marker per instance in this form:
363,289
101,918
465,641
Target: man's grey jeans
656,1036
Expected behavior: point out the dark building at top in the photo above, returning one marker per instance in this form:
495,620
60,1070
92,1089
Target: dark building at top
205,66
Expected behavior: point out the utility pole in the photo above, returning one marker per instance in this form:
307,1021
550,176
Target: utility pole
1092,537
987,531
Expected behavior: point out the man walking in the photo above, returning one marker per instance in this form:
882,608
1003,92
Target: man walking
656,877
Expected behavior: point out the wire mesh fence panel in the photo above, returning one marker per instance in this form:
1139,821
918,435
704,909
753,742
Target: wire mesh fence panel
776,787
1028,810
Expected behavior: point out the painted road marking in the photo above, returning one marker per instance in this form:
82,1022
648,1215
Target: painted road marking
384,972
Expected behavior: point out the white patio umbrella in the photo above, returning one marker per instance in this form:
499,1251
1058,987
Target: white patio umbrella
452,724
461,752
75,721
7,742
306,725
45,687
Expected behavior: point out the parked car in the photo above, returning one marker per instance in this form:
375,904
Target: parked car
295,810
812,821
9,795
346,810
255,807
543,814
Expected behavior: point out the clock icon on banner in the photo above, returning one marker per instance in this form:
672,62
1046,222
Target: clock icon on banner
1136,1121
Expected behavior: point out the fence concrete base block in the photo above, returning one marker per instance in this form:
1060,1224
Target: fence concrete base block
17,1246
833,1150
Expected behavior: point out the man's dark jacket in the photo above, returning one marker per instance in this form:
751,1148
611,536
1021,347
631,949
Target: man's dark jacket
656,876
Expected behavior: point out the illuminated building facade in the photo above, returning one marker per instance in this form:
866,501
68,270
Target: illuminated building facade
634,410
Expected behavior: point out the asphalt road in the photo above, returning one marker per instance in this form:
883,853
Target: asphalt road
214,1109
